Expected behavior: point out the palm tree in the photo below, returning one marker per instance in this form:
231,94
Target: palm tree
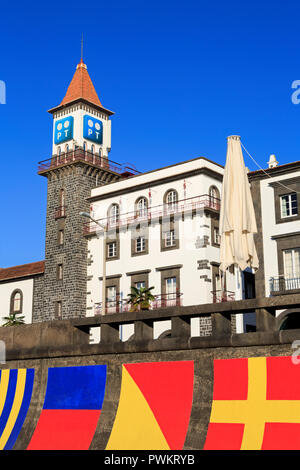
140,298
13,320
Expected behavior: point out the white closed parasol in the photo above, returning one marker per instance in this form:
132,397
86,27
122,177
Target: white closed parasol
237,217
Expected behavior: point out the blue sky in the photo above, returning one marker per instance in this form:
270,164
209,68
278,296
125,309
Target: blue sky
180,76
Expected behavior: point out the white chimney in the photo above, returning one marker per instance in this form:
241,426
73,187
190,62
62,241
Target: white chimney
272,161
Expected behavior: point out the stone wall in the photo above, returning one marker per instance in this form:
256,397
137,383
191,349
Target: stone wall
76,180
60,345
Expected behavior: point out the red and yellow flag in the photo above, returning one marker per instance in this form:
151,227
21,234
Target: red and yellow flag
256,404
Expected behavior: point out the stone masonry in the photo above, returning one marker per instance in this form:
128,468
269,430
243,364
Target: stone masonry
76,179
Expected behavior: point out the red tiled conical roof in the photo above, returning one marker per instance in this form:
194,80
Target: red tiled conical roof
81,86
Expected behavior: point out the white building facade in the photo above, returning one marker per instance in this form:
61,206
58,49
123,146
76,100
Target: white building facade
163,232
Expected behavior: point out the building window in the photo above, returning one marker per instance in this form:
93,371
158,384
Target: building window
62,198
216,236
113,214
141,207
84,146
171,200
66,148
58,151
111,298
58,308
214,197
16,302
61,237
288,204
93,149
140,285
291,262
59,272
112,250
140,244
170,238
170,287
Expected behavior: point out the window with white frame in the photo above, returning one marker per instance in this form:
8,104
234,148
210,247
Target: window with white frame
216,236
142,207
17,302
170,287
170,238
140,285
140,244
289,205
291,260
114,214
172,200
111,250
111,294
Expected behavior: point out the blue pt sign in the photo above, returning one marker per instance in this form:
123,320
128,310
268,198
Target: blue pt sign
63,130
92,129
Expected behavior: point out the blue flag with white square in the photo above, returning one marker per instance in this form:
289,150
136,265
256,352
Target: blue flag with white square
92,129
63,130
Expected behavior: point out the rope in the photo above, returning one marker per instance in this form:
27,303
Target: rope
269,176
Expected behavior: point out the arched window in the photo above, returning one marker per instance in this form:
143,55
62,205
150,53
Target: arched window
214,197
66,148
100,153
141,207
93,149
171,200
113,214
58,151
62,198
84,146
16,301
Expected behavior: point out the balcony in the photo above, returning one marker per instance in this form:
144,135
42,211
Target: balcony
120,306
282,285
183,206
222,296
60,212
79,154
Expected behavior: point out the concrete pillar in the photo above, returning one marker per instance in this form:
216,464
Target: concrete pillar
265,319
110,333
221,324
181,327
143,330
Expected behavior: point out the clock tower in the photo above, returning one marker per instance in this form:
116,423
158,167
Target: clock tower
80,121
79,163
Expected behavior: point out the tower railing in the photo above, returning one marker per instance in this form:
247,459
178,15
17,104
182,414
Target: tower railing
80,154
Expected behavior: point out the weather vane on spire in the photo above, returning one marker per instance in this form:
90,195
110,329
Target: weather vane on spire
82,47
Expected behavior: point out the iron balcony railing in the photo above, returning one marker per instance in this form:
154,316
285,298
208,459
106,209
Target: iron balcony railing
282,284
203,201
89,157
60,212
222,296
122,305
